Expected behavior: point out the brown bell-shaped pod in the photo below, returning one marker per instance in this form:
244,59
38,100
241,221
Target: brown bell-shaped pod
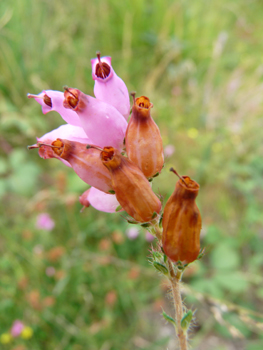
132,189
85,162
143,140
182,222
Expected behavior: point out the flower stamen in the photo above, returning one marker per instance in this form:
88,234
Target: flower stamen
180,177
102,68
45,98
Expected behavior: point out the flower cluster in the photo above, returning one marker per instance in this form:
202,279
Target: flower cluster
18,329
119,159
101,122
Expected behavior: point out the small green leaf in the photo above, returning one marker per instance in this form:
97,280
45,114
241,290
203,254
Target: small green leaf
186,320
132,222
160,267
118,208
201,254
154,215
168,318
157,255
157,174
145,225
111,192
161,220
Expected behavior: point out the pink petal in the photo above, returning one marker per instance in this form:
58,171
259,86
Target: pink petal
169,150
68,132
57,98
44,222
100,200
111,89
132,233
17,328
149,237
101,122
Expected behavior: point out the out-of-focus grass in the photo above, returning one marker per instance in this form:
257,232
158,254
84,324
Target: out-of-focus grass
200,62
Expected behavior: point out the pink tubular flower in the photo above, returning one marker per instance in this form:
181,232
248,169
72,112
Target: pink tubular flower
51,100
44,222
100,121
17,328
108,86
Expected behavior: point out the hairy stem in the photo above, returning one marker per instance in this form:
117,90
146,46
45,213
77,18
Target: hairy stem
175,279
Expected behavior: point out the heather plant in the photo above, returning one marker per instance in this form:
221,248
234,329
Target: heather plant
83,278
120,160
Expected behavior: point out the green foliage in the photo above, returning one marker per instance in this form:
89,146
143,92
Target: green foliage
168,318
160,267
186,320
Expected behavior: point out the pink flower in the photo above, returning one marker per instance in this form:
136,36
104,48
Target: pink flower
99,121
169,150
51,100
44,222
132,233
17,328
50,271
108,86
149,237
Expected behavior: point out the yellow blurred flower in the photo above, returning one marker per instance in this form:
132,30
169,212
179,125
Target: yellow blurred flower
5,338
192,133
27,333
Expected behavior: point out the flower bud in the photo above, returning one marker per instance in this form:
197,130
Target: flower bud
85,162
108,86
51,100
182,222
132,189
143,139
102,123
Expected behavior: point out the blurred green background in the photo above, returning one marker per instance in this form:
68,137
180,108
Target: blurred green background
85,284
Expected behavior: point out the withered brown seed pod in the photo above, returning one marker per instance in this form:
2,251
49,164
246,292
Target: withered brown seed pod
132,189
85,162
143,140
182,222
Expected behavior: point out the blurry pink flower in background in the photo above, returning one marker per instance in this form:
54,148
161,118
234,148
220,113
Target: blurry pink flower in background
169,150
17,328
149,237
132,233
50,271
38,249
44,222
